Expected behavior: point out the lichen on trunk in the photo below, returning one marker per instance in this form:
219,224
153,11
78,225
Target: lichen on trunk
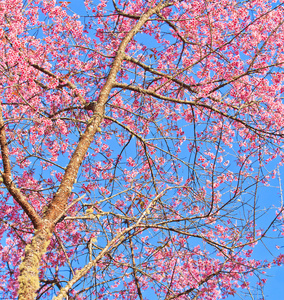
29,279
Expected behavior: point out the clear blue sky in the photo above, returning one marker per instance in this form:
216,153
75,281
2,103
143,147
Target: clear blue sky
274,288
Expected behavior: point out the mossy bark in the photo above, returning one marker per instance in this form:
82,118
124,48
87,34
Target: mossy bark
29,278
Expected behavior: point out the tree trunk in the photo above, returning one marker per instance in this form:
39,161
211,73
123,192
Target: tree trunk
29,275
29,278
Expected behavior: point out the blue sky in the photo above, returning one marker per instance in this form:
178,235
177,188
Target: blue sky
274,289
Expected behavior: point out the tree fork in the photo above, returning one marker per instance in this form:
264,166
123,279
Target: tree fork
29,275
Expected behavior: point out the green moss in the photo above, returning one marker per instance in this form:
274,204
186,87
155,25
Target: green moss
29,277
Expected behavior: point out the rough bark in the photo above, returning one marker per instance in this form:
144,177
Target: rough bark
29,275
29,278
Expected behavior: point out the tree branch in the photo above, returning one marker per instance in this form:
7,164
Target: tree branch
7,178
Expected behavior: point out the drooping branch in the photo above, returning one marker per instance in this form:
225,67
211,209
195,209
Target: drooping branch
18,196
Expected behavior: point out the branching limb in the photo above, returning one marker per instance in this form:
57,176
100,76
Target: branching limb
7,178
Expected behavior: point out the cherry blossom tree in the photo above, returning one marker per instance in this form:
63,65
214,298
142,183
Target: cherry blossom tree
135,139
